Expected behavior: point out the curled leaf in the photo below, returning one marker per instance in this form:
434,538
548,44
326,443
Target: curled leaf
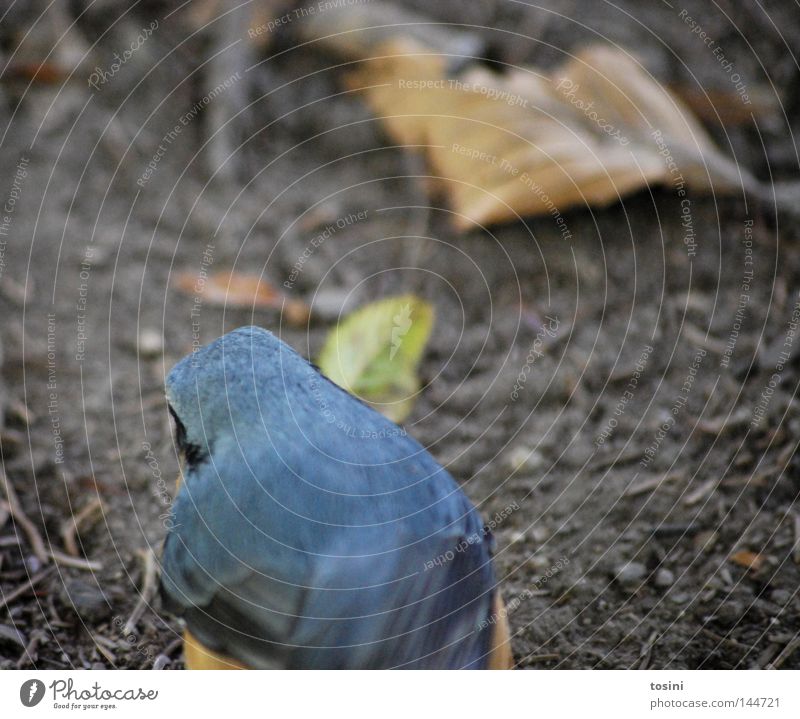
374,353
524,142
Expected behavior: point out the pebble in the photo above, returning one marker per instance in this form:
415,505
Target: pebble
631,574
540,533
524,458
516,536
664,578
151,343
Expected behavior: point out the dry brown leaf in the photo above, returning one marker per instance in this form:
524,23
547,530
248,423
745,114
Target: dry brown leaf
748,560
241,289
525,143
716,105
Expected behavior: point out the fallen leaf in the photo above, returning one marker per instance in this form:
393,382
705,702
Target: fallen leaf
501,146
374,353
748,560
715,106
45,73
241,290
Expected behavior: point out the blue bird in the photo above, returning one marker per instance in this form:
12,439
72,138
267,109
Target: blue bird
309,531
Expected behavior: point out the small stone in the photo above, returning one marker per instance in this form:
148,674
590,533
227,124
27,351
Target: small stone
705,541
538,562
631,574
151,343
540,533
524,458
729,614
664,578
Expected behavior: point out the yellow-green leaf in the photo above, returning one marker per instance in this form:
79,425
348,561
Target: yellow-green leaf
374,353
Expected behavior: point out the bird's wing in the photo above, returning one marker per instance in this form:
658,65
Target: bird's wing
273,571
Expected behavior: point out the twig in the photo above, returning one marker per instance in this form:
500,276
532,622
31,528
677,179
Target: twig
765,658
15,509
24,588
786,652
617,460
148,590
650,485
70,527
720,425
701,492
796,547
161,661
697,337
646,651
30,655
110,644
164,658
66,560
728,641
109,657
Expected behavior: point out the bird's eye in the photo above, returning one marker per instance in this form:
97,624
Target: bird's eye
180,431
192,453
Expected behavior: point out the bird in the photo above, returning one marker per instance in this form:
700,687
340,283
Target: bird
308,531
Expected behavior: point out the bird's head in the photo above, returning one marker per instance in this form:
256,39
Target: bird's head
224,390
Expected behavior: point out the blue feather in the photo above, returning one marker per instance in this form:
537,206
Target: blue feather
301,539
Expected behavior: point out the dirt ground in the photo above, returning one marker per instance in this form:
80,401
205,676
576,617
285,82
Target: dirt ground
642,480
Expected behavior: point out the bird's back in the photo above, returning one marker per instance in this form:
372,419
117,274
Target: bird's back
312,532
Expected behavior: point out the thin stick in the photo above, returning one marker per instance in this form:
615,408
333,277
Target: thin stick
70,527
147,593
30,655
701,492
24,588
650,485
536,658
15,508
786,652
796,547
107,655
66,560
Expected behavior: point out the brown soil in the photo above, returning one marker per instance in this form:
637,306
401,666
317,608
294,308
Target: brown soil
646,529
